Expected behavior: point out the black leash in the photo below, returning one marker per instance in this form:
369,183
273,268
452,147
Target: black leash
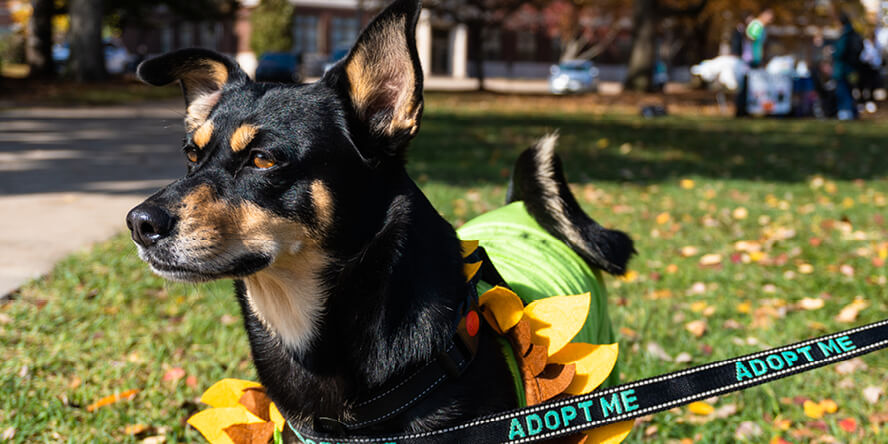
571,415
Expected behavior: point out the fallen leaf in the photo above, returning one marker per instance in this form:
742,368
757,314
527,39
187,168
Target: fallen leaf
111,399
630,276
872,394
683,358
778,440
159,439
829,406
848,424
8,434
747,430
806,268
700,408
740,213
174,374
663,218
850,312
850,366
726,410
135,429
75,382
847,270
696,328
658,352
813,409
744,307
686,184
4,318
191,381
711,259
811,304
689,250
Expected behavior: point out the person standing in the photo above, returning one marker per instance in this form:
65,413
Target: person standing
846,57
753,54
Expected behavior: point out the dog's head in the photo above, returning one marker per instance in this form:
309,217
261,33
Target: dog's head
274,170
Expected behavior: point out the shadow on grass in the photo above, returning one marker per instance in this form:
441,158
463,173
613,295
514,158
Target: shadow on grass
466,149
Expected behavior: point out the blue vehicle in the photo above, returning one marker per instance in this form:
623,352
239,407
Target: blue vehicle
572,77
280,67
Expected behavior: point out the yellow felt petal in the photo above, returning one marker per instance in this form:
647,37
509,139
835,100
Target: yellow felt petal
610,434
505,305
468,247
276,417
227,392
594,363
211,423
470,269
556,320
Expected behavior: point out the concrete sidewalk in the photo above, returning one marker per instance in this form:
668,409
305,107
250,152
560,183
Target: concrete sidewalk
68,177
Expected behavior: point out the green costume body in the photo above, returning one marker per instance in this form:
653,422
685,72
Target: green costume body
537,265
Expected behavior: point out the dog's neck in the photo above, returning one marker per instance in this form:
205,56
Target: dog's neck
370,315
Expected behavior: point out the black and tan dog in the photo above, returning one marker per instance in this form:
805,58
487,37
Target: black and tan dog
348,278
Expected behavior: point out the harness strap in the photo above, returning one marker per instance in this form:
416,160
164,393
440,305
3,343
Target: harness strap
402,394
571,415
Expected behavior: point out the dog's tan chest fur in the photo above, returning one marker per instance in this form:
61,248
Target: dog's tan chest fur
287,297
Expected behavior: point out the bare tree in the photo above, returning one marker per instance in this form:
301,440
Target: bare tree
87,62
646,18
38,51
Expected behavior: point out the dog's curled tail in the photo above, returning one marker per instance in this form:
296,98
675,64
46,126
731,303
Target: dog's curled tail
538,180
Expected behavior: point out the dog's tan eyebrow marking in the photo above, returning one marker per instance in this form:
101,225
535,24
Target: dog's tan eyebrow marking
203,134
323,202
243,136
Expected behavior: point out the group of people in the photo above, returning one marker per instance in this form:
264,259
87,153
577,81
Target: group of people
844,71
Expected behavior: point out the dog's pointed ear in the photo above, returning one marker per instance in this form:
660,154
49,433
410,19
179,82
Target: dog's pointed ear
382,77
202,74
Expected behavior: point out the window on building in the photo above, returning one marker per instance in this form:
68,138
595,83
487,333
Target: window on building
209,35
166,38
186,35
492,43
305,34
526,45
343,32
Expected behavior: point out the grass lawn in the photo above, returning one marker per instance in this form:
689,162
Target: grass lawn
808,197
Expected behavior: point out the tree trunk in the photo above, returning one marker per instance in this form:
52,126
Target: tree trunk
640,75
476,28
87,61
38,51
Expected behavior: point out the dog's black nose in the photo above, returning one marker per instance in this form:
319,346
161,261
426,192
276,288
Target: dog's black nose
149,224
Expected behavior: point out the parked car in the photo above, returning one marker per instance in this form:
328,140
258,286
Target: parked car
283,67
117,59
573,76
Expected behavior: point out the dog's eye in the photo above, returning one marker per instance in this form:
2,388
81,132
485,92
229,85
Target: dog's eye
262,161
191,155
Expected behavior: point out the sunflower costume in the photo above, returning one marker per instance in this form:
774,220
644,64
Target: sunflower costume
552,321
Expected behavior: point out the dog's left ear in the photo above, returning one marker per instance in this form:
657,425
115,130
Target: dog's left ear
382,78
202,74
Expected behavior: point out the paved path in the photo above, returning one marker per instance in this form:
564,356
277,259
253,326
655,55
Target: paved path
68,177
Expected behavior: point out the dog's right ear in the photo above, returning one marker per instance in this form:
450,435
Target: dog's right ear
202,74
381,78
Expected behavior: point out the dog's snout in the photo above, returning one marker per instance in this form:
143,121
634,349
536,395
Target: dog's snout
149,224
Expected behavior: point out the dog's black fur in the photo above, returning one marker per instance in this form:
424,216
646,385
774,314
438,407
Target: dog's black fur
334,232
